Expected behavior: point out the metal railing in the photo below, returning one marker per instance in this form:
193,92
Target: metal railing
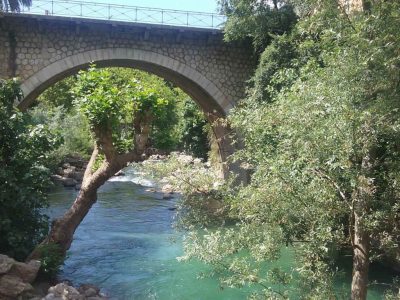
125,13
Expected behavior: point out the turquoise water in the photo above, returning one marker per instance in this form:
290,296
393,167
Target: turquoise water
126,245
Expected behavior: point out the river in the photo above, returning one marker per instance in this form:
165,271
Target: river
127,246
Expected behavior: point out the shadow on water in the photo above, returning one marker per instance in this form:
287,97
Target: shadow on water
124,245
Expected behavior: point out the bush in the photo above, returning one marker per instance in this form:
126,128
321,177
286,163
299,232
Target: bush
24,150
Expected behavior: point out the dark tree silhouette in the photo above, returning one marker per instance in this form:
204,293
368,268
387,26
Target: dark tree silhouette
14,5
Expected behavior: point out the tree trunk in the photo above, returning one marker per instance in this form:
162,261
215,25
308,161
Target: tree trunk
359,285
361,199
63,229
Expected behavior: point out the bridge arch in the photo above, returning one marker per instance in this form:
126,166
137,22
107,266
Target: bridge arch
209,97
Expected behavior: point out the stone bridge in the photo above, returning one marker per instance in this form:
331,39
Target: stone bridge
42,50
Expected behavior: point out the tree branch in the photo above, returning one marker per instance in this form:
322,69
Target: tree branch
325,176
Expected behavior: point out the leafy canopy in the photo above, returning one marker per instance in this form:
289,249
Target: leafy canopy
320,123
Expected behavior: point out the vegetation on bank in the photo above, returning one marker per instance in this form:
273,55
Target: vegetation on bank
24,176
320,127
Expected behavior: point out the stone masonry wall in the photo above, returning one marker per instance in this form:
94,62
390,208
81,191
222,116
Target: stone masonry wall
30,43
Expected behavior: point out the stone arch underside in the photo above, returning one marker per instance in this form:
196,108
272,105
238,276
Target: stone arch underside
212,101
195,84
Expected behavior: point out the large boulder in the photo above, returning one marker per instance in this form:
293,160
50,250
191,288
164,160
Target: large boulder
27,272
57,179
69,182
78,175
89,290
5,263
64,291
70,172
13,287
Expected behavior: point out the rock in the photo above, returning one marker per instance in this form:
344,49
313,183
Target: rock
197,161
41,287
5,263
172,208
51,296
185,159
60,171
119,173
167,189
13,286
58,179
167,196
65,292
66,165
78,186
69,182
151,190
78,175
27,272
63,289
89,290
70,172
90,293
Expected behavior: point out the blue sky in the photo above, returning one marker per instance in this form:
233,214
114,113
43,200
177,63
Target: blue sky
125,14
193,5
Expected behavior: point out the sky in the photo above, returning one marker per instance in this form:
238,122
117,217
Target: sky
106,10
191,5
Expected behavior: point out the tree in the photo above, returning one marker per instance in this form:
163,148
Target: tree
256,20
24,178
116,109
14,5
320,129
193,130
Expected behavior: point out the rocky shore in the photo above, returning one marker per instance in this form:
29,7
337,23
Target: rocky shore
70,173
18,281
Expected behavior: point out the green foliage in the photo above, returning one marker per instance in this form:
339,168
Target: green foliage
99,97
113,98
321,122
256,20
198,184
70,125
59,94
24,149
193,129
51,259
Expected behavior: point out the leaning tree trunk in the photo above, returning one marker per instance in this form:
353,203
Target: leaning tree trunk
63,229
362,197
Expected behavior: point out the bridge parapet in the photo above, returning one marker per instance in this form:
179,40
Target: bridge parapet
125,13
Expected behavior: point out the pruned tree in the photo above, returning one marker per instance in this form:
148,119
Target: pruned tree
113,106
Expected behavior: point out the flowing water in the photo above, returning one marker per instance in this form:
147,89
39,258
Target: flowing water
126,245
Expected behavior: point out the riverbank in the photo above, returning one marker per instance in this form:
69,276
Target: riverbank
20,280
